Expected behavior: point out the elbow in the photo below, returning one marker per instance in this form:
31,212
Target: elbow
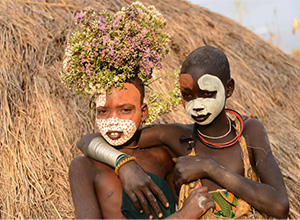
84,142
79,145
282,209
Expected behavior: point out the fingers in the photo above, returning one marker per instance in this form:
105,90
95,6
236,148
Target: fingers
205,199
135,201
144,204
202,189
197,186
147,195
177,179
159,193
142,189
208,202
152,200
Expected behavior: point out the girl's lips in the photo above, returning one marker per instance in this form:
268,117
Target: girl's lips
114,135
201,118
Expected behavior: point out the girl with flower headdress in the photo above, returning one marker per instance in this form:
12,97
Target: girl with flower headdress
111,58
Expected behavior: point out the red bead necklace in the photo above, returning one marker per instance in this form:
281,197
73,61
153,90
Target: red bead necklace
228,143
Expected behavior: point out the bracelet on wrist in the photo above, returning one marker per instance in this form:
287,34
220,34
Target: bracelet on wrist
123,162
119,158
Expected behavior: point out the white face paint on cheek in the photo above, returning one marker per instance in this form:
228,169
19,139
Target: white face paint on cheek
195,104
204,106
126,126
101,100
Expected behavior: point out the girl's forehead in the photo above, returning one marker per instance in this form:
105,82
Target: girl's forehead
128,92
186,81
197,71
127,95
189,81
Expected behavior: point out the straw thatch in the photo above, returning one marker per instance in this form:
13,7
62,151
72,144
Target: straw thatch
41,120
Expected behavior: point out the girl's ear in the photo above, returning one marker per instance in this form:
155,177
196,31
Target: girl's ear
229,87
144,109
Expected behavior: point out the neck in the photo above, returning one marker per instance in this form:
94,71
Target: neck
218,126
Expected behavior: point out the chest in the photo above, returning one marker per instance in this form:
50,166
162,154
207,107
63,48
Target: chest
154,160
230,157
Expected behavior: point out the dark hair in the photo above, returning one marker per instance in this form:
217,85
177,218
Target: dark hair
208,56
139,84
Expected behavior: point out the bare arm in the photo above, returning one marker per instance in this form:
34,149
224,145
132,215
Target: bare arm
84,142
82,188
272,198
139,187
167,135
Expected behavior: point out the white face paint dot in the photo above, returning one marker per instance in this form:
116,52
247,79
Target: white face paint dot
101,100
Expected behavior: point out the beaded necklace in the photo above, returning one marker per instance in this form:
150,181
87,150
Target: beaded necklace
228,143
218,137
131,147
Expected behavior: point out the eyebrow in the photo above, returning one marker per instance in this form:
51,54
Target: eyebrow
124,104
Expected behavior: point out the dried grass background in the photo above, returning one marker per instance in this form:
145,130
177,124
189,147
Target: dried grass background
41,120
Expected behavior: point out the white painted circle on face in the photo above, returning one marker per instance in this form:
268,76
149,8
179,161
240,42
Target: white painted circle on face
207,106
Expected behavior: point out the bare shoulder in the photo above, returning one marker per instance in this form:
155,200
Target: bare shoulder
256,136
159,152
252,123
254,127
86,166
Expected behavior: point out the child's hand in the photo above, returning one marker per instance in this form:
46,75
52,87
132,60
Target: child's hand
140,188
197,203
190,168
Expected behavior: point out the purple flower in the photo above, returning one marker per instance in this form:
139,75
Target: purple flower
79,16
144,31
117,19
101,26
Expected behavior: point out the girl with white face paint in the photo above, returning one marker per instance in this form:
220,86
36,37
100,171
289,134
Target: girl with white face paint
119,113
97,188
205,109
118,116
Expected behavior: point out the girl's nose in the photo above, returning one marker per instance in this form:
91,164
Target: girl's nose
198,106
113,121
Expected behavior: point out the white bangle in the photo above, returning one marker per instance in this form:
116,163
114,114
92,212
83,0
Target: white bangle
100,150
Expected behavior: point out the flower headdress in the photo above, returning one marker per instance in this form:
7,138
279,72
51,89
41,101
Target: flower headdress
107,50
